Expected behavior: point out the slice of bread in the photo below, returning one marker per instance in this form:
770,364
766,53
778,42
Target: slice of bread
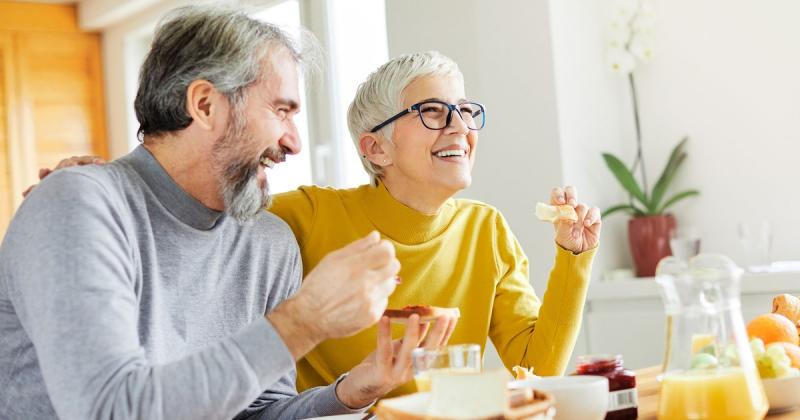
426,313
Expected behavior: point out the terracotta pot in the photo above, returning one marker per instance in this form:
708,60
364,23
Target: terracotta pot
648,237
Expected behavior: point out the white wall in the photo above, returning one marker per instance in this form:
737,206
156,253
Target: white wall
594,116
725,73
116,61
504,53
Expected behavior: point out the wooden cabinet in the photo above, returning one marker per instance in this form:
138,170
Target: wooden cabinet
51,95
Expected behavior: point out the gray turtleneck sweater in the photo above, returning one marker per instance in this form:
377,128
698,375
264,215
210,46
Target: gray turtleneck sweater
123,297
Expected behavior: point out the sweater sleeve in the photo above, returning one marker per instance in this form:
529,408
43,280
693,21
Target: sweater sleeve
70,273
530,332
281,400
298,209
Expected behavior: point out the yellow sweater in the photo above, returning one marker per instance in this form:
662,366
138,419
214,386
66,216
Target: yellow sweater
464,256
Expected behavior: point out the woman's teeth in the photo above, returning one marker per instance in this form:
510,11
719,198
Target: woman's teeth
269,163
448,153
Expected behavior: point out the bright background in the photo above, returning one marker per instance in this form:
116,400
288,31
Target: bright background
725,73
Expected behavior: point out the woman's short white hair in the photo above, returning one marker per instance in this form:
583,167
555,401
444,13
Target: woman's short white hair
381,96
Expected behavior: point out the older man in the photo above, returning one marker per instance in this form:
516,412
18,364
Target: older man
154,287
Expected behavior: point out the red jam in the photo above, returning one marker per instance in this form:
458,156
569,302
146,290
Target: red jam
622,398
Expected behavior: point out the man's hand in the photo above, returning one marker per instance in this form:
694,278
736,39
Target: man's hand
583,234
389,366
346,292
73,161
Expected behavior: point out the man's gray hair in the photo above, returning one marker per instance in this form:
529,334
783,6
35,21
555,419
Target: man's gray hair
381,96
220,44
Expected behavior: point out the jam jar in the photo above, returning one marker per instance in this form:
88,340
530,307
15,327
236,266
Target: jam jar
622,397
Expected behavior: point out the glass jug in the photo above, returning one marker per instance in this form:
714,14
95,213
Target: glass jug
708,371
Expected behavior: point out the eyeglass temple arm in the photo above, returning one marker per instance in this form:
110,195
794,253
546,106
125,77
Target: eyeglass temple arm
391,120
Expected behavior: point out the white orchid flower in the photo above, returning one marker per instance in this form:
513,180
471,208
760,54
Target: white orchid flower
630,35
647,7
643,24
641,47
619,33
625,9
620,61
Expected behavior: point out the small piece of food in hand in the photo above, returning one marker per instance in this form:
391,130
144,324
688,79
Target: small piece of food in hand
553,214
521,373
426,313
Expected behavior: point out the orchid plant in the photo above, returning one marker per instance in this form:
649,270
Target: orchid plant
630,43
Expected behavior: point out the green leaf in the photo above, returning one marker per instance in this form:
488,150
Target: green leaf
668,180
678,197
673,163
619,207
625,177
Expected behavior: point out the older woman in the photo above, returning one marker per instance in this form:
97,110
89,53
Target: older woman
417,133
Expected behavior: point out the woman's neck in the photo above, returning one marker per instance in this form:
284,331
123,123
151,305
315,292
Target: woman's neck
422,199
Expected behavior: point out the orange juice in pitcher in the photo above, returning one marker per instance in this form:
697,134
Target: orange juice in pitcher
709,371
728,393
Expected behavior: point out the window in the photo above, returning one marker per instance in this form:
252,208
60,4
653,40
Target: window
296,171
354,35
358,46
137,44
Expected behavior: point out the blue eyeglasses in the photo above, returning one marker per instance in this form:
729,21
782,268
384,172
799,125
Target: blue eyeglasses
437,115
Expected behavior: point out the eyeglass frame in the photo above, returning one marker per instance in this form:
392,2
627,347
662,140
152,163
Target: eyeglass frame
448,120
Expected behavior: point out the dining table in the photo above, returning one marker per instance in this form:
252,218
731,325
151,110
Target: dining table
648,388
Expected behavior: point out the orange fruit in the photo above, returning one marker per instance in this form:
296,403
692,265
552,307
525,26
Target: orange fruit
792,351
771,328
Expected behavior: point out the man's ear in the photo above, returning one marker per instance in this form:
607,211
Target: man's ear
204,103
373,148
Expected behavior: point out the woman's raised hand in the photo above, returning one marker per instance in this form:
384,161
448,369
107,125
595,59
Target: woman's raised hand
583,234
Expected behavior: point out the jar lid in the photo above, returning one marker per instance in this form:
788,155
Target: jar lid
591,359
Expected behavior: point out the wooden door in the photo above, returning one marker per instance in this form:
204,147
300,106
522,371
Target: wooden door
61,91
7,126
51,95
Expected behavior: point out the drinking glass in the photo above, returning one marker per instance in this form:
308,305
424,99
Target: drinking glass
685,242
756,240
455,358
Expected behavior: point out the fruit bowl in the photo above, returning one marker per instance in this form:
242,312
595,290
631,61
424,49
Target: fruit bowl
783,394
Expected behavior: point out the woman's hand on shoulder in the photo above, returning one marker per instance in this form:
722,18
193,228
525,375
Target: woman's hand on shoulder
583,234
66,163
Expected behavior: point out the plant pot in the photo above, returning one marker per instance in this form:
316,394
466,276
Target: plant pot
648,238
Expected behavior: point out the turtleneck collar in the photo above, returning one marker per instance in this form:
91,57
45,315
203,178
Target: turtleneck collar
401,223
177,201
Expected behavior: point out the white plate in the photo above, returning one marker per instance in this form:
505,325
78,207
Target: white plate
341,417
783,393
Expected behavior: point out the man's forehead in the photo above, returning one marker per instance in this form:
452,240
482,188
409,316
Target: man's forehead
280,78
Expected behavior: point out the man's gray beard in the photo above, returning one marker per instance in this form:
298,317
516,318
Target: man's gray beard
243,198
245,202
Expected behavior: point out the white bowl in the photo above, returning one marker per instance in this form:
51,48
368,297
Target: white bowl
579,397
783,394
